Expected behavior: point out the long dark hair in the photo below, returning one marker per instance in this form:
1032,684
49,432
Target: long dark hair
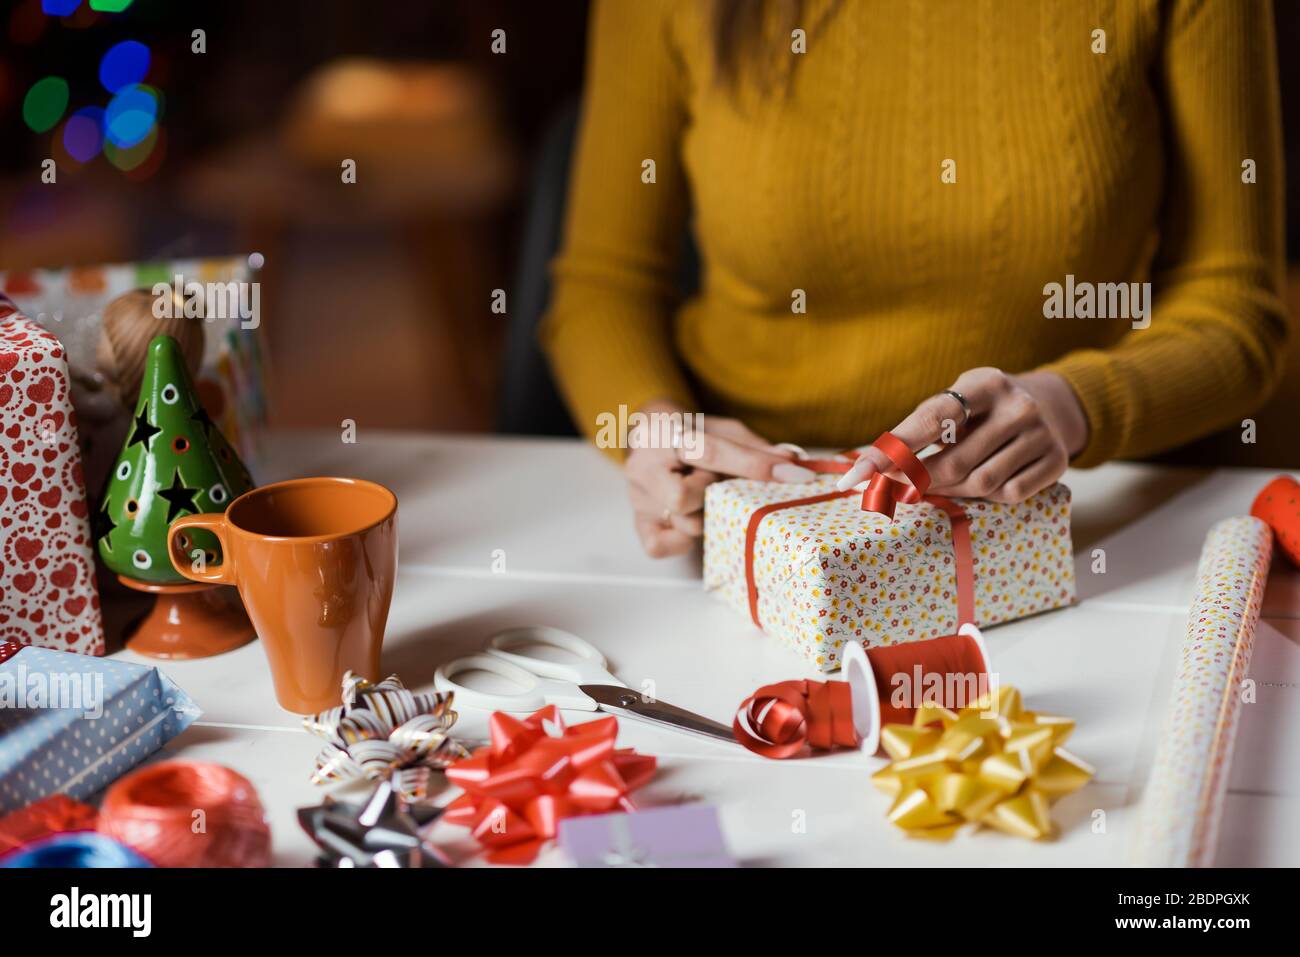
741,37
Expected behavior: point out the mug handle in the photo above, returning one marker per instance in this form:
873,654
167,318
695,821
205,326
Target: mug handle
214,522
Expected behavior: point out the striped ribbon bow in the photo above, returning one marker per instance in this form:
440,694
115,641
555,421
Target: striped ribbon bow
385,732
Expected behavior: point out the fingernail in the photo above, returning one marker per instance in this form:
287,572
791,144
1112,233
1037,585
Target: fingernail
853,476
791,473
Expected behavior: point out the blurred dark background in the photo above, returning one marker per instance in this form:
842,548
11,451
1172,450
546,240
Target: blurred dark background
376,298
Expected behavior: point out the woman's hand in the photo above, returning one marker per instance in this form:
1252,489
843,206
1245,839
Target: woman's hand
666,485
1019,439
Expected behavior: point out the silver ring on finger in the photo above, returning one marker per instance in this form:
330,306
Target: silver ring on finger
965,406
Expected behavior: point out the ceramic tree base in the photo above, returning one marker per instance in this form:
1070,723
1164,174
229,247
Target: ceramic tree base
189,620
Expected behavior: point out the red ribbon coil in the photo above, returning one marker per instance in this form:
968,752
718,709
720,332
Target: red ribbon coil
156,809
536,772
778,720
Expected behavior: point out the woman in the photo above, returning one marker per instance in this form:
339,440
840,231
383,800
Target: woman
930,216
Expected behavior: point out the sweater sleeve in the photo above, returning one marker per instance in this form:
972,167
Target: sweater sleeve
608,330
1218,326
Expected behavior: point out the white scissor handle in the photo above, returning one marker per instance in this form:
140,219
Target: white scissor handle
535,692
589,668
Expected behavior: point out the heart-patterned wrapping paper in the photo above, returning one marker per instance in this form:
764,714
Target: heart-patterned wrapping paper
829,572
1184,793
47,574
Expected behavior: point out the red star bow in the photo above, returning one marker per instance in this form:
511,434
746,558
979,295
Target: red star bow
537,772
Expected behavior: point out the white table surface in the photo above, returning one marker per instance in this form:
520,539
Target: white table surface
555,511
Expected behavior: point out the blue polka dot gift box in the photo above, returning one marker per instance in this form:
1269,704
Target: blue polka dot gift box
73,724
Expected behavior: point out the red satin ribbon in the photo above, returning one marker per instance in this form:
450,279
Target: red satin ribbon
536,772
778,720
881,495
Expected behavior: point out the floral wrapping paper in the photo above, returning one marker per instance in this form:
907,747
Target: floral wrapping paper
830,572
1184,793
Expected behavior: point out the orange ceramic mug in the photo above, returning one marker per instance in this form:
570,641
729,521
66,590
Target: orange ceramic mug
314,560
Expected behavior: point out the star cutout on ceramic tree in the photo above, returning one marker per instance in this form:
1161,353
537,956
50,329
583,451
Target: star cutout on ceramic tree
144,431
180,498
103,526
205,421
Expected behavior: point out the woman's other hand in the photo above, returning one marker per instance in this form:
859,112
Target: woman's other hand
1020,436
666,485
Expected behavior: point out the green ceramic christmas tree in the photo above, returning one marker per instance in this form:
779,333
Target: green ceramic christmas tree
175,462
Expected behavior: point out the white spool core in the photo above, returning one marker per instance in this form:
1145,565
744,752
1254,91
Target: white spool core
862,691
970,629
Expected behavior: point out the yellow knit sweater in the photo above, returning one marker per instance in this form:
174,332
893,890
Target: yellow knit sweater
931,169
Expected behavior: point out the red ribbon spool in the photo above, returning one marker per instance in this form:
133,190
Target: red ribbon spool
780,720
153,810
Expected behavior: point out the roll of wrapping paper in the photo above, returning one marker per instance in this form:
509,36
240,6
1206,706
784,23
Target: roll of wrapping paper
1184,793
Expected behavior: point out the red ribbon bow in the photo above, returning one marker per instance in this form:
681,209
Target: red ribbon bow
778,720
881,495
536,772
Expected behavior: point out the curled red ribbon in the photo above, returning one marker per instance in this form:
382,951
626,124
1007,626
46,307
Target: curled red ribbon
536,772
778,720
881,495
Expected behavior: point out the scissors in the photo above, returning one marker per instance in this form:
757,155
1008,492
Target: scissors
582,684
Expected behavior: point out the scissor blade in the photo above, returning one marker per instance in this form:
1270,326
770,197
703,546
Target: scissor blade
627,702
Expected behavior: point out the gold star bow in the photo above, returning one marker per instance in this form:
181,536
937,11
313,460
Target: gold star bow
992,763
